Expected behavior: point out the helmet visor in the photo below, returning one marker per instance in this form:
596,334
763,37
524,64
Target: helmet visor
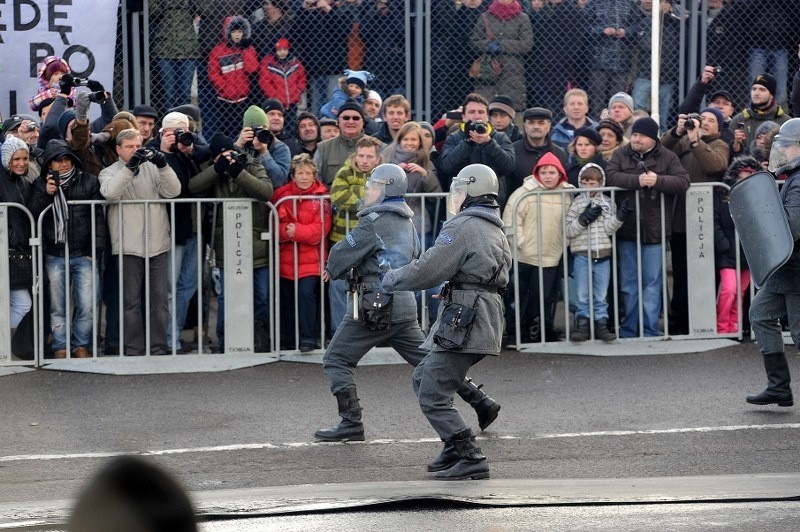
374,193
456,198
783,151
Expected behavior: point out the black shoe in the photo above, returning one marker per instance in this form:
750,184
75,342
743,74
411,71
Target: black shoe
581,331
350,428
602,332
778,380
472,463
446,459
767,398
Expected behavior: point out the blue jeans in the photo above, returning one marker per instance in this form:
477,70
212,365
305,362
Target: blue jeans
20,304
260,300
651,288
601,275
641,99
775,62
176,79
82,278
185,286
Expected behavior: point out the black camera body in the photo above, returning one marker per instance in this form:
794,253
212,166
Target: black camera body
149,154
717,71
689,125
237,157
478,126
56,177
184,136
264,135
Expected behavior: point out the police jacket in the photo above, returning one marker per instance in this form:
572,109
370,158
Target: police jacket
384,237
82,186
787,279
623,171
471,250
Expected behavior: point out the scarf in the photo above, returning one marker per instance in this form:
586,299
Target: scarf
400,156
764,107
60,208
505,11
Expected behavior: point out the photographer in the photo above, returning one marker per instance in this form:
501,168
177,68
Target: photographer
259,142
185,154
140,174
476,142
25,128
238,175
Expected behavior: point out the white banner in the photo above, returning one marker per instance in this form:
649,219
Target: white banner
83,32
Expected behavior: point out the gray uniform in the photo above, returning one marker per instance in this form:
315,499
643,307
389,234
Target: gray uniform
385,235
472,253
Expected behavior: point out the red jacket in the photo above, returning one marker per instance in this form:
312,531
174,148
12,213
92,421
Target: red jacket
311,229
230,66
285,81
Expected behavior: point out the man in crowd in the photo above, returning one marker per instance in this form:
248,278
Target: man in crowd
331,154
537,122
396,112
307,136
620,110
763,107
276,115
258,141
576,116
501,114
146,118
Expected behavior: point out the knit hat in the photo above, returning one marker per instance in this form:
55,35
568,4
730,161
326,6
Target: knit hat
359,77
646,126
589,133
125,115
63,122
373,95
175,119
255,116
351,105
220,143
145,110
717,114
505,104
273,105
428,127
766,127
768,81
11,146
622,97
537,112
283,42
613,126
51,65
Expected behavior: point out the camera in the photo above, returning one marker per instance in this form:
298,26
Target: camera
185,137
148,153
478,126
28,127
717,71
97,97
689,124
237,157
55,177
264,135
453,115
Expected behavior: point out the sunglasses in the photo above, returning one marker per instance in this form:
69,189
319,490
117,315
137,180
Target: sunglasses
350,117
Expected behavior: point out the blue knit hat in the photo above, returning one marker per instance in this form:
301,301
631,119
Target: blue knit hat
63,122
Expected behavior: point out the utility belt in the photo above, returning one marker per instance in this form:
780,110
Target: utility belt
371,306
483,287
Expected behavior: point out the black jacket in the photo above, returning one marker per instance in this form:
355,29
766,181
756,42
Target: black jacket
14,189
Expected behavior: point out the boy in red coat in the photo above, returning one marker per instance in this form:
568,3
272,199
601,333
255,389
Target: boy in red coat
304,227
229,67
282,76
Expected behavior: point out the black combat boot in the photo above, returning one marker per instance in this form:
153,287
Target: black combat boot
472,463
350,428
602,332
581,331
446,459
778,379
486,407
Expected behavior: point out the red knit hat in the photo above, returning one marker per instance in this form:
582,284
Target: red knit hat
283,42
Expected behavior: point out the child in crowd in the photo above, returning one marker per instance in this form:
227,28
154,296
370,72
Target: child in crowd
521,218
351,87
50,71
725,248
229,67
590,223
282,76
347,191
304,227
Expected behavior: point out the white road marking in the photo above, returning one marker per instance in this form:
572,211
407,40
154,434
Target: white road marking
251,446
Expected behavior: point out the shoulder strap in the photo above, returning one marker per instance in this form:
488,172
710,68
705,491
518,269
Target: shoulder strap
486,25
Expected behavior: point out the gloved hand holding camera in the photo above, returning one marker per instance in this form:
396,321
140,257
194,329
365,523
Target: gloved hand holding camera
591,213
138,157
66,84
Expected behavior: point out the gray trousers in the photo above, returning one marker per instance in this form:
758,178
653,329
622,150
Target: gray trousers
133,283
352,341
766,310
436,380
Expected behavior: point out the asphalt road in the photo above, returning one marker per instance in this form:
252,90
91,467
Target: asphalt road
574,417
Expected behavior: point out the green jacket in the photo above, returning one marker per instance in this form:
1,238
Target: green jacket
173,33
347,191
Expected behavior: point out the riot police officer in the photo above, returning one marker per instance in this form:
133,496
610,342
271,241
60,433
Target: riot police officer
780,295
384,238
472,253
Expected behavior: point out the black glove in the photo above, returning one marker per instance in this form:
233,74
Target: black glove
624,210
590,213
95,86
234,168
138,157
66,84
158,158
221,165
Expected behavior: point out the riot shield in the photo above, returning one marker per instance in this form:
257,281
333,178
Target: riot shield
758,214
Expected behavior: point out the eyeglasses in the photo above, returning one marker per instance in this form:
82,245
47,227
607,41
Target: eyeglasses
350,117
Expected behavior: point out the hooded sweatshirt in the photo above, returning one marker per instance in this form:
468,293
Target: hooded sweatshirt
230,65
597,235
528,207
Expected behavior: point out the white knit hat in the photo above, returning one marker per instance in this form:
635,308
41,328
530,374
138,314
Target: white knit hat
175,119
12,145
373,95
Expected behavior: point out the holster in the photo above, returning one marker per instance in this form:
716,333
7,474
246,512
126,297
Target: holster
455,324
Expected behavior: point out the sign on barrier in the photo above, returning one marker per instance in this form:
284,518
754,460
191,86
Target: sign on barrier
238,271
700,260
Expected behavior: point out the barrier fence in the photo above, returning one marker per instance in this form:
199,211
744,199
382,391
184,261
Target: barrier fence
237,282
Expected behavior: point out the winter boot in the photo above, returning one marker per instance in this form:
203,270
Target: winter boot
778,379
350,428
472,463
602,332
486,407
581,331
446,459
